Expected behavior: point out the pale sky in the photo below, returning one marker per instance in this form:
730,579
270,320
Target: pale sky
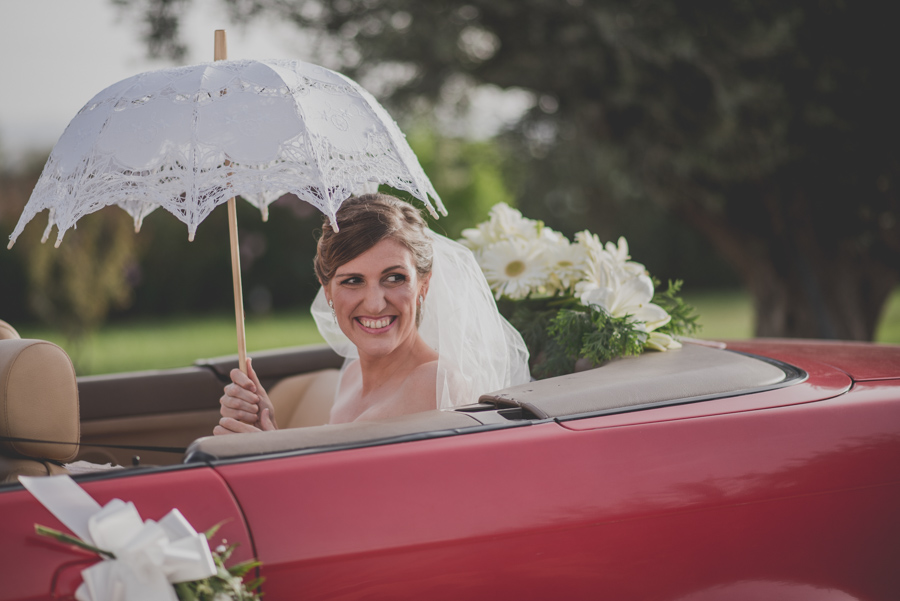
57,54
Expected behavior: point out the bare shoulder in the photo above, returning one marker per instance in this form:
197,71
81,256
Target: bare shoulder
427,372
420,387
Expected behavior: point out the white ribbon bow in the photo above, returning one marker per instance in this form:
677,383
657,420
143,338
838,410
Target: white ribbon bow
149,556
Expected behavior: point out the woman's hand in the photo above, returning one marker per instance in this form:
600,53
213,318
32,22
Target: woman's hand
245,406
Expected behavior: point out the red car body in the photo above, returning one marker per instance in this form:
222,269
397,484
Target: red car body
789,493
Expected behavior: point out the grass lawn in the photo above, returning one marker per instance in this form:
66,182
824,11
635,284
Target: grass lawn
730,315
178,342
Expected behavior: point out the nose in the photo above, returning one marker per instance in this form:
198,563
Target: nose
374,301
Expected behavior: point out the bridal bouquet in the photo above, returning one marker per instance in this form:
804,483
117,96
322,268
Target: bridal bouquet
574,302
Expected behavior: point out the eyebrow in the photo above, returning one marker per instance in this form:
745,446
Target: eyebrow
385,270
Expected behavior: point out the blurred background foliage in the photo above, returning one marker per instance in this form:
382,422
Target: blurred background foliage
767,127
735,144
103,269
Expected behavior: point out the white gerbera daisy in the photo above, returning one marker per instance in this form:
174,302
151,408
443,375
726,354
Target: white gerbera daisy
474,238
505,223
513,268
565,261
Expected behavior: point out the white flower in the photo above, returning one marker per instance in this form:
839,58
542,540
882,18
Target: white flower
627,295
621,287
510,223
661,342
503,224
620,255
606,265
564,262
513,268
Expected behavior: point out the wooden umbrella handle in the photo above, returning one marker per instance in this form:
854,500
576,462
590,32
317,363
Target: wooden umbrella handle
220,54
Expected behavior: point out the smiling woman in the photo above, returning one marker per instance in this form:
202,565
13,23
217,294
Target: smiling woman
410,311
376,298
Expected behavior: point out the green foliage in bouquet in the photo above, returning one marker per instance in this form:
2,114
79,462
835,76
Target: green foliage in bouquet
577,305
228,583
683,316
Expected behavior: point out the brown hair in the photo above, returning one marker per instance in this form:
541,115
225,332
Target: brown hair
366,220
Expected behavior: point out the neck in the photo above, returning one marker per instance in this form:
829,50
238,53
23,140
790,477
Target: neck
378,370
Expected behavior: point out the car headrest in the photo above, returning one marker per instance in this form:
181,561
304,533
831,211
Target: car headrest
38,401
7,332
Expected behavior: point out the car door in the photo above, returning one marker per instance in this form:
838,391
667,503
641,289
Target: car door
786,493
37,567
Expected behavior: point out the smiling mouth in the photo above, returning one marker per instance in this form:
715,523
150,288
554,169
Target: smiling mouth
375,324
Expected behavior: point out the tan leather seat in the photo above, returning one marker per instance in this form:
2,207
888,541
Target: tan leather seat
7,332
38,402
304,400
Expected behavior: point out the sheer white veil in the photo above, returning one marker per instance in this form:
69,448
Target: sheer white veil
478,350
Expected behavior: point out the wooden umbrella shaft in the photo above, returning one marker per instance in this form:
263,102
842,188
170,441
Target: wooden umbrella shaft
221,53
236,278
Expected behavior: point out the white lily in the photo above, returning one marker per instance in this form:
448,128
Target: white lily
661,342
621,288
631,297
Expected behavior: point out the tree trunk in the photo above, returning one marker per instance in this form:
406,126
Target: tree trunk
843,300
802,286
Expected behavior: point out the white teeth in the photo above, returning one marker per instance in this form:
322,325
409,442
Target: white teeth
375,324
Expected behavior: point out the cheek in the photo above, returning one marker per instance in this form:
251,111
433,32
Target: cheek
344,299
403,298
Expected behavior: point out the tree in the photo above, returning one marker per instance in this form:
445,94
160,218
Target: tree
768,126
74,287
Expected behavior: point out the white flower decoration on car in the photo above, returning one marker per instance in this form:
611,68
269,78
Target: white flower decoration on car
513,268
523,259
621,287
504,223
564,262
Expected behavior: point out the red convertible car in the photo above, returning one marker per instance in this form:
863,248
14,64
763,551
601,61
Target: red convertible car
764,469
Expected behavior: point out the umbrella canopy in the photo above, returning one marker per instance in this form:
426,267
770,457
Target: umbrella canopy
189,138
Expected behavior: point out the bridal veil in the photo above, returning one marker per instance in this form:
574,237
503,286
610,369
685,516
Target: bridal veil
478,350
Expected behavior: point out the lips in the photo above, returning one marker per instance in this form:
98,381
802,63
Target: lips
375,324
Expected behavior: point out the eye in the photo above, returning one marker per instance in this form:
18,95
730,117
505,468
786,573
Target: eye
395,278
351,281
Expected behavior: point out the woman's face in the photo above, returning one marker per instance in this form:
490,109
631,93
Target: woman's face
375,298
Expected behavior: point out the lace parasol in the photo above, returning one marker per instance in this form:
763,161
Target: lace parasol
188,139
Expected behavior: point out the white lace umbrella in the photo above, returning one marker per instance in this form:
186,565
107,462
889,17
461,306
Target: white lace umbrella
191,138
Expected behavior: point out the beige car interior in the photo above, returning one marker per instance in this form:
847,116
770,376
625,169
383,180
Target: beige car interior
160,412
38,407
159,418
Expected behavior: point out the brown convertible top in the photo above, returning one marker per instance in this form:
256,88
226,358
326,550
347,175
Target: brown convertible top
690,373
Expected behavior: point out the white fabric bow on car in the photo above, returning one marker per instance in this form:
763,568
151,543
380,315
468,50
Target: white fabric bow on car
149,556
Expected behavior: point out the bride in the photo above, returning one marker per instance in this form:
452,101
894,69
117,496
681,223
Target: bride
409,310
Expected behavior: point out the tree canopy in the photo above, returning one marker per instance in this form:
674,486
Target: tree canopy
768,126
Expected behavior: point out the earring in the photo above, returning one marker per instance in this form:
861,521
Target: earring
333,315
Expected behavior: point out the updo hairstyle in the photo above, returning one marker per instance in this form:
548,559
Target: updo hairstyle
366,220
